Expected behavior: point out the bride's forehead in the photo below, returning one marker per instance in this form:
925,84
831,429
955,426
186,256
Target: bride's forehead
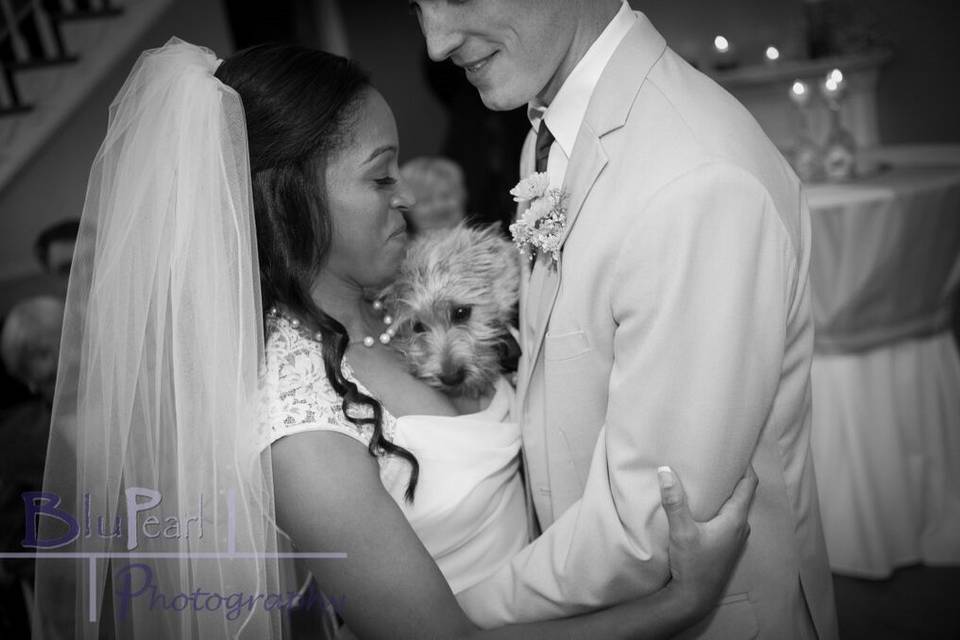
374,125
375,111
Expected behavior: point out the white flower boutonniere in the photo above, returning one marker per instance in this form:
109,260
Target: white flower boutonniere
541,226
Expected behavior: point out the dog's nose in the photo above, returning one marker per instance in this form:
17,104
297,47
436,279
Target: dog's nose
453,378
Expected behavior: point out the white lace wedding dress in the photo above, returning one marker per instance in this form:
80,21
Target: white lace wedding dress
469,509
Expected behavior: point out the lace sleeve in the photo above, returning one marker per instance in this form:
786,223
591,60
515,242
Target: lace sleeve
295,393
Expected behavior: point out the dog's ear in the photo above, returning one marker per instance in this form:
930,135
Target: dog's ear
506,277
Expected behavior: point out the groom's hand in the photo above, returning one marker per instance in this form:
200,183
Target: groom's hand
703,554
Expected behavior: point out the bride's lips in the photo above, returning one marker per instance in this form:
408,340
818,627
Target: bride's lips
399,232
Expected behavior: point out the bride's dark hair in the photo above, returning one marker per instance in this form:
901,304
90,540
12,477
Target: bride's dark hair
298,104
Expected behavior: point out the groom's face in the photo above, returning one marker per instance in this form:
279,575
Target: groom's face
509,49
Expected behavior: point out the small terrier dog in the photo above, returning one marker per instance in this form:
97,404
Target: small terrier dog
455,301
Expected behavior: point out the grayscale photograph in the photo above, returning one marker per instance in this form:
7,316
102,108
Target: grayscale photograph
467,319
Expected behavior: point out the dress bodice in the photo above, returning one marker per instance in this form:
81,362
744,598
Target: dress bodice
469,508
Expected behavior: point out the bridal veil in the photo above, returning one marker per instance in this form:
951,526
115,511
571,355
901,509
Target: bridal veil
156,518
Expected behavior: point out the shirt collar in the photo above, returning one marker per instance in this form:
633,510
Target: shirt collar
566,113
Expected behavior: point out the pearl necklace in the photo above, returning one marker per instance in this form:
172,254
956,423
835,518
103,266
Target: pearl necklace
387,335
368,341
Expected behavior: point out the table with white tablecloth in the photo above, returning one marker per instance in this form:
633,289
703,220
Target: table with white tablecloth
884,274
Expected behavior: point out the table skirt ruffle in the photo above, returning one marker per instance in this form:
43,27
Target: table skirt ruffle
886,444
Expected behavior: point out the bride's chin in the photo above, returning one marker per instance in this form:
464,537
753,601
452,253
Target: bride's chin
388,276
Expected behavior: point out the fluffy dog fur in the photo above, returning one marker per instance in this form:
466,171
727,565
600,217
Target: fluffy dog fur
455,300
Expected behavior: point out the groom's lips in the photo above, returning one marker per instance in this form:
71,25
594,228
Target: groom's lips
472,68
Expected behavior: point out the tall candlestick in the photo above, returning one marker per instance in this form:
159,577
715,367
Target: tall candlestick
840,148
806,158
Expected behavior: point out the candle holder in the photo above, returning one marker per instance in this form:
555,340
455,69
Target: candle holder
807,159
840,147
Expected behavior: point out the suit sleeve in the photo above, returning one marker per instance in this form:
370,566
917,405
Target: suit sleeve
705,279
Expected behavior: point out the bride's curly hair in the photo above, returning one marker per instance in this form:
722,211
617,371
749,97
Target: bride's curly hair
298,104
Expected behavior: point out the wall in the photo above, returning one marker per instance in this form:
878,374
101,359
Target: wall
919,92
52,185
385,39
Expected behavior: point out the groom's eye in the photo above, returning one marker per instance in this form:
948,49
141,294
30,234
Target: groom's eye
461,314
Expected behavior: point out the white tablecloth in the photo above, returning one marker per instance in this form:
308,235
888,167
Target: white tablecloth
884,275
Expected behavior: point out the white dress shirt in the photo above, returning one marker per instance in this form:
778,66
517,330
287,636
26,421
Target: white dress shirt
565,114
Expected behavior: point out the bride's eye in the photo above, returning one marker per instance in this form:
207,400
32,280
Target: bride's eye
461,314
419,327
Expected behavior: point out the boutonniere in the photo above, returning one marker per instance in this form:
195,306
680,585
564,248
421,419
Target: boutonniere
540,228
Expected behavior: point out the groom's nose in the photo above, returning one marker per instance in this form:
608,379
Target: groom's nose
441,31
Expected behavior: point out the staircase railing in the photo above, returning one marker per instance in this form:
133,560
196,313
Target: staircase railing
31,36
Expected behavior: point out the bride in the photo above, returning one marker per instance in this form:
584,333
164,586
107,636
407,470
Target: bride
218,370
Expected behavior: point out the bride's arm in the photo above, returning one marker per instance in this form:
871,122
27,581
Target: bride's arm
330,499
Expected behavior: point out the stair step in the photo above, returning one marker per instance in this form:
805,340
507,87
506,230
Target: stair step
91,14
41,63
14,111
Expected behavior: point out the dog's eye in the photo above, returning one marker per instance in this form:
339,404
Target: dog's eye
461,314
418,327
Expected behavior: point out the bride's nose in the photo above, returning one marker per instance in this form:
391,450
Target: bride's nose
403,198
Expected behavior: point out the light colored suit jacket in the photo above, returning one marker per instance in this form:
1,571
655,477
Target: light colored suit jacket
676,330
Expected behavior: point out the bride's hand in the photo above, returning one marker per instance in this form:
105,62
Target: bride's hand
703,554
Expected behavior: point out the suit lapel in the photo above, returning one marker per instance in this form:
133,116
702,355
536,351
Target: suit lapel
585,167
607,112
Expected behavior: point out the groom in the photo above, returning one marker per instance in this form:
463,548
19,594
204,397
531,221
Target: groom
674,329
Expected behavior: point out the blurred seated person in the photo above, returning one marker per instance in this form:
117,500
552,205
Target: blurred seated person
438,186
54,246
30,344
29,348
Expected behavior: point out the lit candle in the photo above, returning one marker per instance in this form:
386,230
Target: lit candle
771,55
724,56
834,86
800,93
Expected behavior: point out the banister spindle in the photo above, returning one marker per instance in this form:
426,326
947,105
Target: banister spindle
49,34
20,49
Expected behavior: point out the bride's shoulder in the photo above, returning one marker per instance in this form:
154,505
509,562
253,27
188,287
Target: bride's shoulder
293,381
288,352
296,394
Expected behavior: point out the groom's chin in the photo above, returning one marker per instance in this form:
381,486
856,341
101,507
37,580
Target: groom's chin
498,101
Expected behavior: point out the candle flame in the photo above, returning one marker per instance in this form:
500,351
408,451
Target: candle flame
772,54
722,44
833,83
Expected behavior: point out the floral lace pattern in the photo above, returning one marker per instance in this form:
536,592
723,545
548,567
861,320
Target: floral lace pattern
295,393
